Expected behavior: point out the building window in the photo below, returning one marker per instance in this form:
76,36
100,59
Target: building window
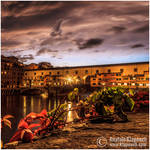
94,79
109,70
25,73
41,73
125,79
58,72
116,74
94,83
49,73
97,71
121,70
147,78
131,78
99,83
86,71
99,79
135,69
34,73
67,72
76,72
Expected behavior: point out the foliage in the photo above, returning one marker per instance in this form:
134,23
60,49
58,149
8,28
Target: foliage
141,99
6,122
47,121
73,96
102,103
111,100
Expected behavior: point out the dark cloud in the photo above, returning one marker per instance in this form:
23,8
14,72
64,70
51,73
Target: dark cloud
32,33
10,43
142,29
56,29
43,26
96,51
137,46
25,58
91,43
42,15
46,42
45,50
117,29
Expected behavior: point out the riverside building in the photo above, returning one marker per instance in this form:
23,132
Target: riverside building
11,73
127,74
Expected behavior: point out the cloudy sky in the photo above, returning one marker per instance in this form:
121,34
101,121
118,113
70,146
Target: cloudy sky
75,33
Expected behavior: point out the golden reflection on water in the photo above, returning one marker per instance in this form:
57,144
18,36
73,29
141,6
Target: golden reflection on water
71,114
32,104
24,106
55,104
49,105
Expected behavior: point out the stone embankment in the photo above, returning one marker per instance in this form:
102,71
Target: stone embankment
87,135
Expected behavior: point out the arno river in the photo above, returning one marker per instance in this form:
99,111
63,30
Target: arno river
19,106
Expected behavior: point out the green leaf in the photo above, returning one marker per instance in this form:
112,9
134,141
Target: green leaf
71,96
131,92
130,102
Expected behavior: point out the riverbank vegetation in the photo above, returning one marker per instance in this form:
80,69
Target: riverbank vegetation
101,105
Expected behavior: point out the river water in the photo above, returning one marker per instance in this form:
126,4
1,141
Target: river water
19,106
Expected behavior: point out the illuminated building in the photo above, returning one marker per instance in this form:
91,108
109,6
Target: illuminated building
11,73
128,74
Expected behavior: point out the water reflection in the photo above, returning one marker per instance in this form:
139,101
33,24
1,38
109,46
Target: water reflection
19,106
71,114
24,106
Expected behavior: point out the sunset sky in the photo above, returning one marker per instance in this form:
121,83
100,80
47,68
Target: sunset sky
75,33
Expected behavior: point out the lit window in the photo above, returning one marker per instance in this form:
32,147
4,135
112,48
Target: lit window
119,83
125,83
133,83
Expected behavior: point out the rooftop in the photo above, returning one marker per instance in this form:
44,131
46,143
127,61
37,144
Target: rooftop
92,66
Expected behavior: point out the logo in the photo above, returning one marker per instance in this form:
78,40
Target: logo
101,141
